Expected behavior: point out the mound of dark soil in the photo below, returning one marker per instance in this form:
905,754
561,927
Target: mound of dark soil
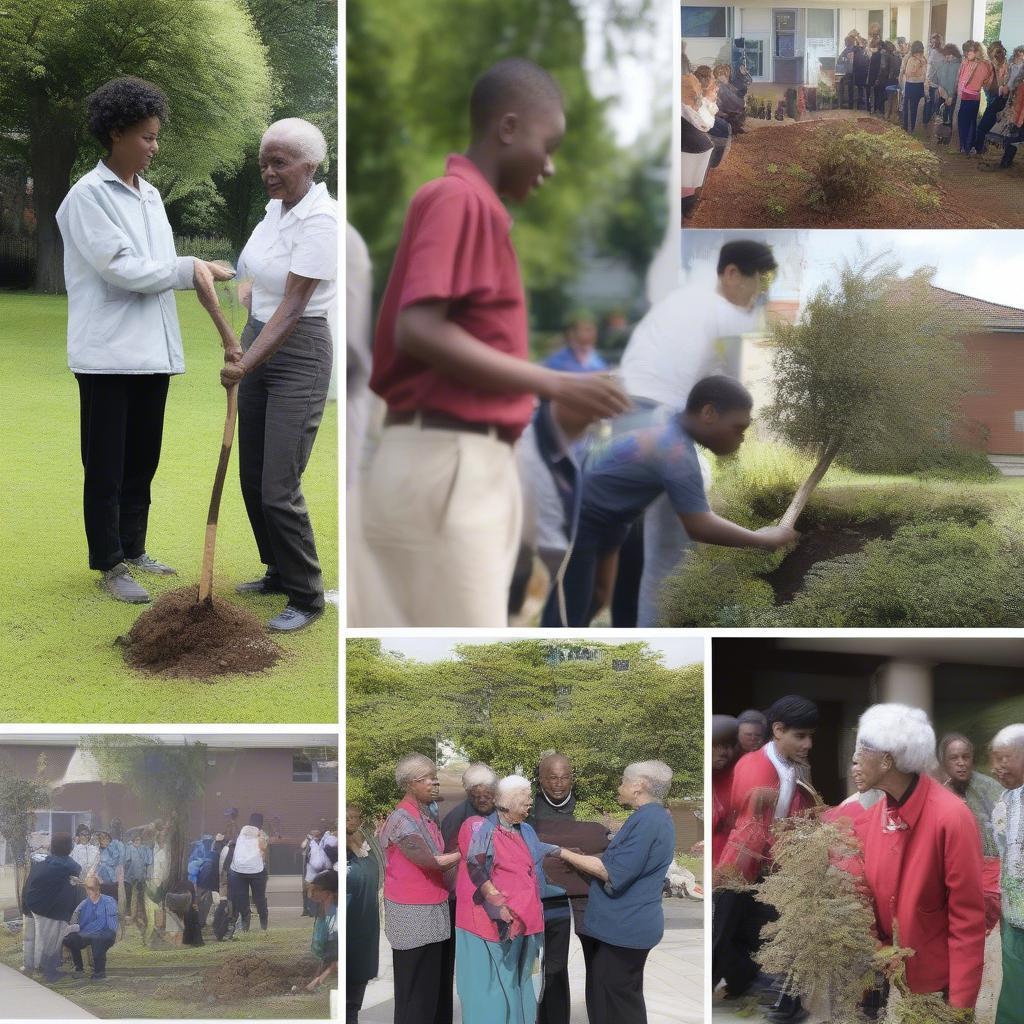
819,544
251,976
180,637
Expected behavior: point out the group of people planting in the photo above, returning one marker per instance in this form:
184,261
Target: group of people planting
81,893
894,79
487,896
125,344
936,851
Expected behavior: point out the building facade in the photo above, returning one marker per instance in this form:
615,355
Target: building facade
798,45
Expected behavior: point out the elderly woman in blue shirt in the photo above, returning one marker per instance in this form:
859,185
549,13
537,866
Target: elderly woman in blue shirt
124,342
624,919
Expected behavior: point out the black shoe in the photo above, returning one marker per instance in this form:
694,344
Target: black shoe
268,584
293,618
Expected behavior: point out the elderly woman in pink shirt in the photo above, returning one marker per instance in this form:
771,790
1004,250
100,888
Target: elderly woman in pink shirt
499,918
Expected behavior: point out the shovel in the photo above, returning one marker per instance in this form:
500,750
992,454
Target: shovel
212,306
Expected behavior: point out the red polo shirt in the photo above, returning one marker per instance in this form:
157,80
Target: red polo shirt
455,247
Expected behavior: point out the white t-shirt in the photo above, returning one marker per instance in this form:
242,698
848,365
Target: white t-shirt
303,241
690,334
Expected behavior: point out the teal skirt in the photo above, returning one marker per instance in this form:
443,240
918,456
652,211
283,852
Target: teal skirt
498,982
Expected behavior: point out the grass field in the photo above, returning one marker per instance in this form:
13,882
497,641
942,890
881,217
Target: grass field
173,983
58,661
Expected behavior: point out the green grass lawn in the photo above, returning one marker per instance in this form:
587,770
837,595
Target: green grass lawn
58,662
169,984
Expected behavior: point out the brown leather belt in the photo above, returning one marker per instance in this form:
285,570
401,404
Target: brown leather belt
442,421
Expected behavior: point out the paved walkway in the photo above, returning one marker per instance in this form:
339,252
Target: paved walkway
673,980
25,999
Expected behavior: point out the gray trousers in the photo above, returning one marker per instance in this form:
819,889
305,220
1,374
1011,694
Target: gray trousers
665,547
280,405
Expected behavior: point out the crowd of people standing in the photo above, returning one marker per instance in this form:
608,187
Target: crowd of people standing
484,900
939,849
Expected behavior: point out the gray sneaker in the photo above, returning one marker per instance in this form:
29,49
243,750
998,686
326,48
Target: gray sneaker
151,565
292,619
118,583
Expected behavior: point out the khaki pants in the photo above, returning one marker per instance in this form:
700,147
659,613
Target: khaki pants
442,515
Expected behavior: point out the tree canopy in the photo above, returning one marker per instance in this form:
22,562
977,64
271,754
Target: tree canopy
208,58
604,705
869,370
19,798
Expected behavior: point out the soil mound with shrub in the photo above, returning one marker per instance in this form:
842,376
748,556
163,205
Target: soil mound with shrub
253,976
820,544
181,638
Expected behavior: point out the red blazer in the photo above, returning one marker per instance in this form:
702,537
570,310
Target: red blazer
928,877
721,811
755,792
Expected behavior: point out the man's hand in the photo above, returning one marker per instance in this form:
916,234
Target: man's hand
232,373
448,860
775,537
594,396
233,354
220,270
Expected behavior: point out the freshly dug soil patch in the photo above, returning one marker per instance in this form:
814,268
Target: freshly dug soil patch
252,976
180,637
735,195
818,545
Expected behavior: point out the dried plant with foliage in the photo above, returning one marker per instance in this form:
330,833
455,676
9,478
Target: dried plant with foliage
822,941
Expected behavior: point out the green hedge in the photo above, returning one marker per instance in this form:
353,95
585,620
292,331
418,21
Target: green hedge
205,248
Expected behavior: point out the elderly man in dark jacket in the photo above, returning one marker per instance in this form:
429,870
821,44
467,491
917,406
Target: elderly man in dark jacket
51,896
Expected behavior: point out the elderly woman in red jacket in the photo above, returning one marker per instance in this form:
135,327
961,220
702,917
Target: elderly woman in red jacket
922,856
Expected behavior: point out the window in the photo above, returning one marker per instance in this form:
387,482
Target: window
821,24
315,766
706,22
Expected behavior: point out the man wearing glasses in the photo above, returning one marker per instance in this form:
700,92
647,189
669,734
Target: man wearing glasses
691,334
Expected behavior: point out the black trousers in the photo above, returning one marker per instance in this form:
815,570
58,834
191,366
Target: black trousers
121,427
554,1005
354,995
280,405
76,942
735,937
418,979
240,887
615,983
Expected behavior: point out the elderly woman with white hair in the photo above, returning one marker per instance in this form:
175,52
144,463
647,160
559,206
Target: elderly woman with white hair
416,920
624,919
291,259
922,856
1008,825
499,919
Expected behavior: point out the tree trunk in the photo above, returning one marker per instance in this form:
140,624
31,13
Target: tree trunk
806,489
52,151
19,882
177,842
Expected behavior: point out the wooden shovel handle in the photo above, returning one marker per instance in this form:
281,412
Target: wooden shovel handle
206,574
220,321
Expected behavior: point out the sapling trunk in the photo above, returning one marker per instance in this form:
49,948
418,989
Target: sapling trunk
806,489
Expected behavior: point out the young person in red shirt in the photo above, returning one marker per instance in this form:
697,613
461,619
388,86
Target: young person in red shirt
724,748
922,856
442,508
768,785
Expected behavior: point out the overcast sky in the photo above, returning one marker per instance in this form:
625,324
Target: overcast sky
685,650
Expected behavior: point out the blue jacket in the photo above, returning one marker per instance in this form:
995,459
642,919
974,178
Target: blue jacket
626,910
99,918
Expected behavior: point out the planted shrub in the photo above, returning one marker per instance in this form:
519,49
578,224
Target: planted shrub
850,165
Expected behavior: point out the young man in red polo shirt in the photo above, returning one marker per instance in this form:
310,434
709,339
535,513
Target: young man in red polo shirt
442,508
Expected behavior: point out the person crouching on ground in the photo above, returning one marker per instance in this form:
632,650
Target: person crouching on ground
292,260
94,925
636,468
323,891
922,856
625,918
124,342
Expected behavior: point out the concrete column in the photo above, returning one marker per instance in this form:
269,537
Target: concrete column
1012,31
907,682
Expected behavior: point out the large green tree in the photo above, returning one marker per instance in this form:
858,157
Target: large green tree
604,705
207,57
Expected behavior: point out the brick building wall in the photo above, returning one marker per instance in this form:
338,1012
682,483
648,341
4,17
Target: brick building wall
999,405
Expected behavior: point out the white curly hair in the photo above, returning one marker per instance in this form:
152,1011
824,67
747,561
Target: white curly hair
304,138
1010,736
902,731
